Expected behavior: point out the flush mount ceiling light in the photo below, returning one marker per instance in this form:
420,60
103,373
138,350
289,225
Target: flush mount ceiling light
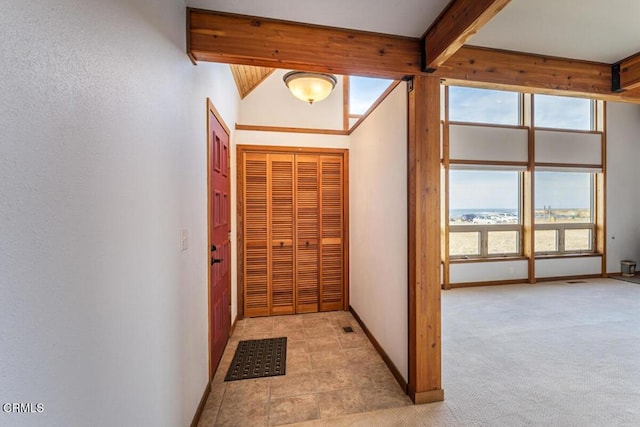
310,87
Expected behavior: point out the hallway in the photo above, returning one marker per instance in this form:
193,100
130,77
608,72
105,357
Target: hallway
329,373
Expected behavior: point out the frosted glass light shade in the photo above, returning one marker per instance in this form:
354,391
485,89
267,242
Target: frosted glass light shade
310,87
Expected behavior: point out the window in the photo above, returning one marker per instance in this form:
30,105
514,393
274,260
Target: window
560,112
484,214
363,92
564,212
484,106
522,181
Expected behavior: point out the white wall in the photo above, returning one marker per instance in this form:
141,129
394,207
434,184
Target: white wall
470,272
287,139
216,82
378,225
271,104
623,176
103,142
559,267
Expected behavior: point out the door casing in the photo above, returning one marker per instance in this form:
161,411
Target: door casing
240,151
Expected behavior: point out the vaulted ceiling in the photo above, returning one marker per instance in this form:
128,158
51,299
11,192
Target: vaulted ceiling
402,17
587,30
594,30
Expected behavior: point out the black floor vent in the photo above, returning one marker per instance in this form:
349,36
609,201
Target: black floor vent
575,282
348,329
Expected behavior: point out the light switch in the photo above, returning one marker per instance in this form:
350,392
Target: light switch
184,239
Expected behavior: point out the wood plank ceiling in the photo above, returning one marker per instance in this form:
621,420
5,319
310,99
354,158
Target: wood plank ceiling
248,77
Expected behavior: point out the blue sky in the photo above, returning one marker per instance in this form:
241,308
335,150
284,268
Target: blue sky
499,189
485,189
483,106
500,107
563,190
562,112
364,91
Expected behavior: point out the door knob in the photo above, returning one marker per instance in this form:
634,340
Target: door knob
216,260
213,248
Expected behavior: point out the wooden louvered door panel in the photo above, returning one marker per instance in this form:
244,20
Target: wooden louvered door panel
293,224
256,235
281,213
331,233
307,234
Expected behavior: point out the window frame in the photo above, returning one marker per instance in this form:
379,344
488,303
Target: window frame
520,104
593,112
561,227
484,229
347,115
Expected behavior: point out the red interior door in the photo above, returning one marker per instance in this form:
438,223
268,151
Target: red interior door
219,243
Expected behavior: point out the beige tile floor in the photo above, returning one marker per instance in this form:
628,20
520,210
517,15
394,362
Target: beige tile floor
329,373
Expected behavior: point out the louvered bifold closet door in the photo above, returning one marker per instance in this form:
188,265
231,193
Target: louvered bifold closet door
281,212
307,233
256,235
331,233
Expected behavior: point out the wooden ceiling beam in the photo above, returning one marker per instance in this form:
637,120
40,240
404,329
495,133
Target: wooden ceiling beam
457,24
626,74
237,39
498,69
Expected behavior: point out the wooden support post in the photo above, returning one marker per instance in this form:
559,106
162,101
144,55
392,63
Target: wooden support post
425,370
601,188
528,189
444,198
